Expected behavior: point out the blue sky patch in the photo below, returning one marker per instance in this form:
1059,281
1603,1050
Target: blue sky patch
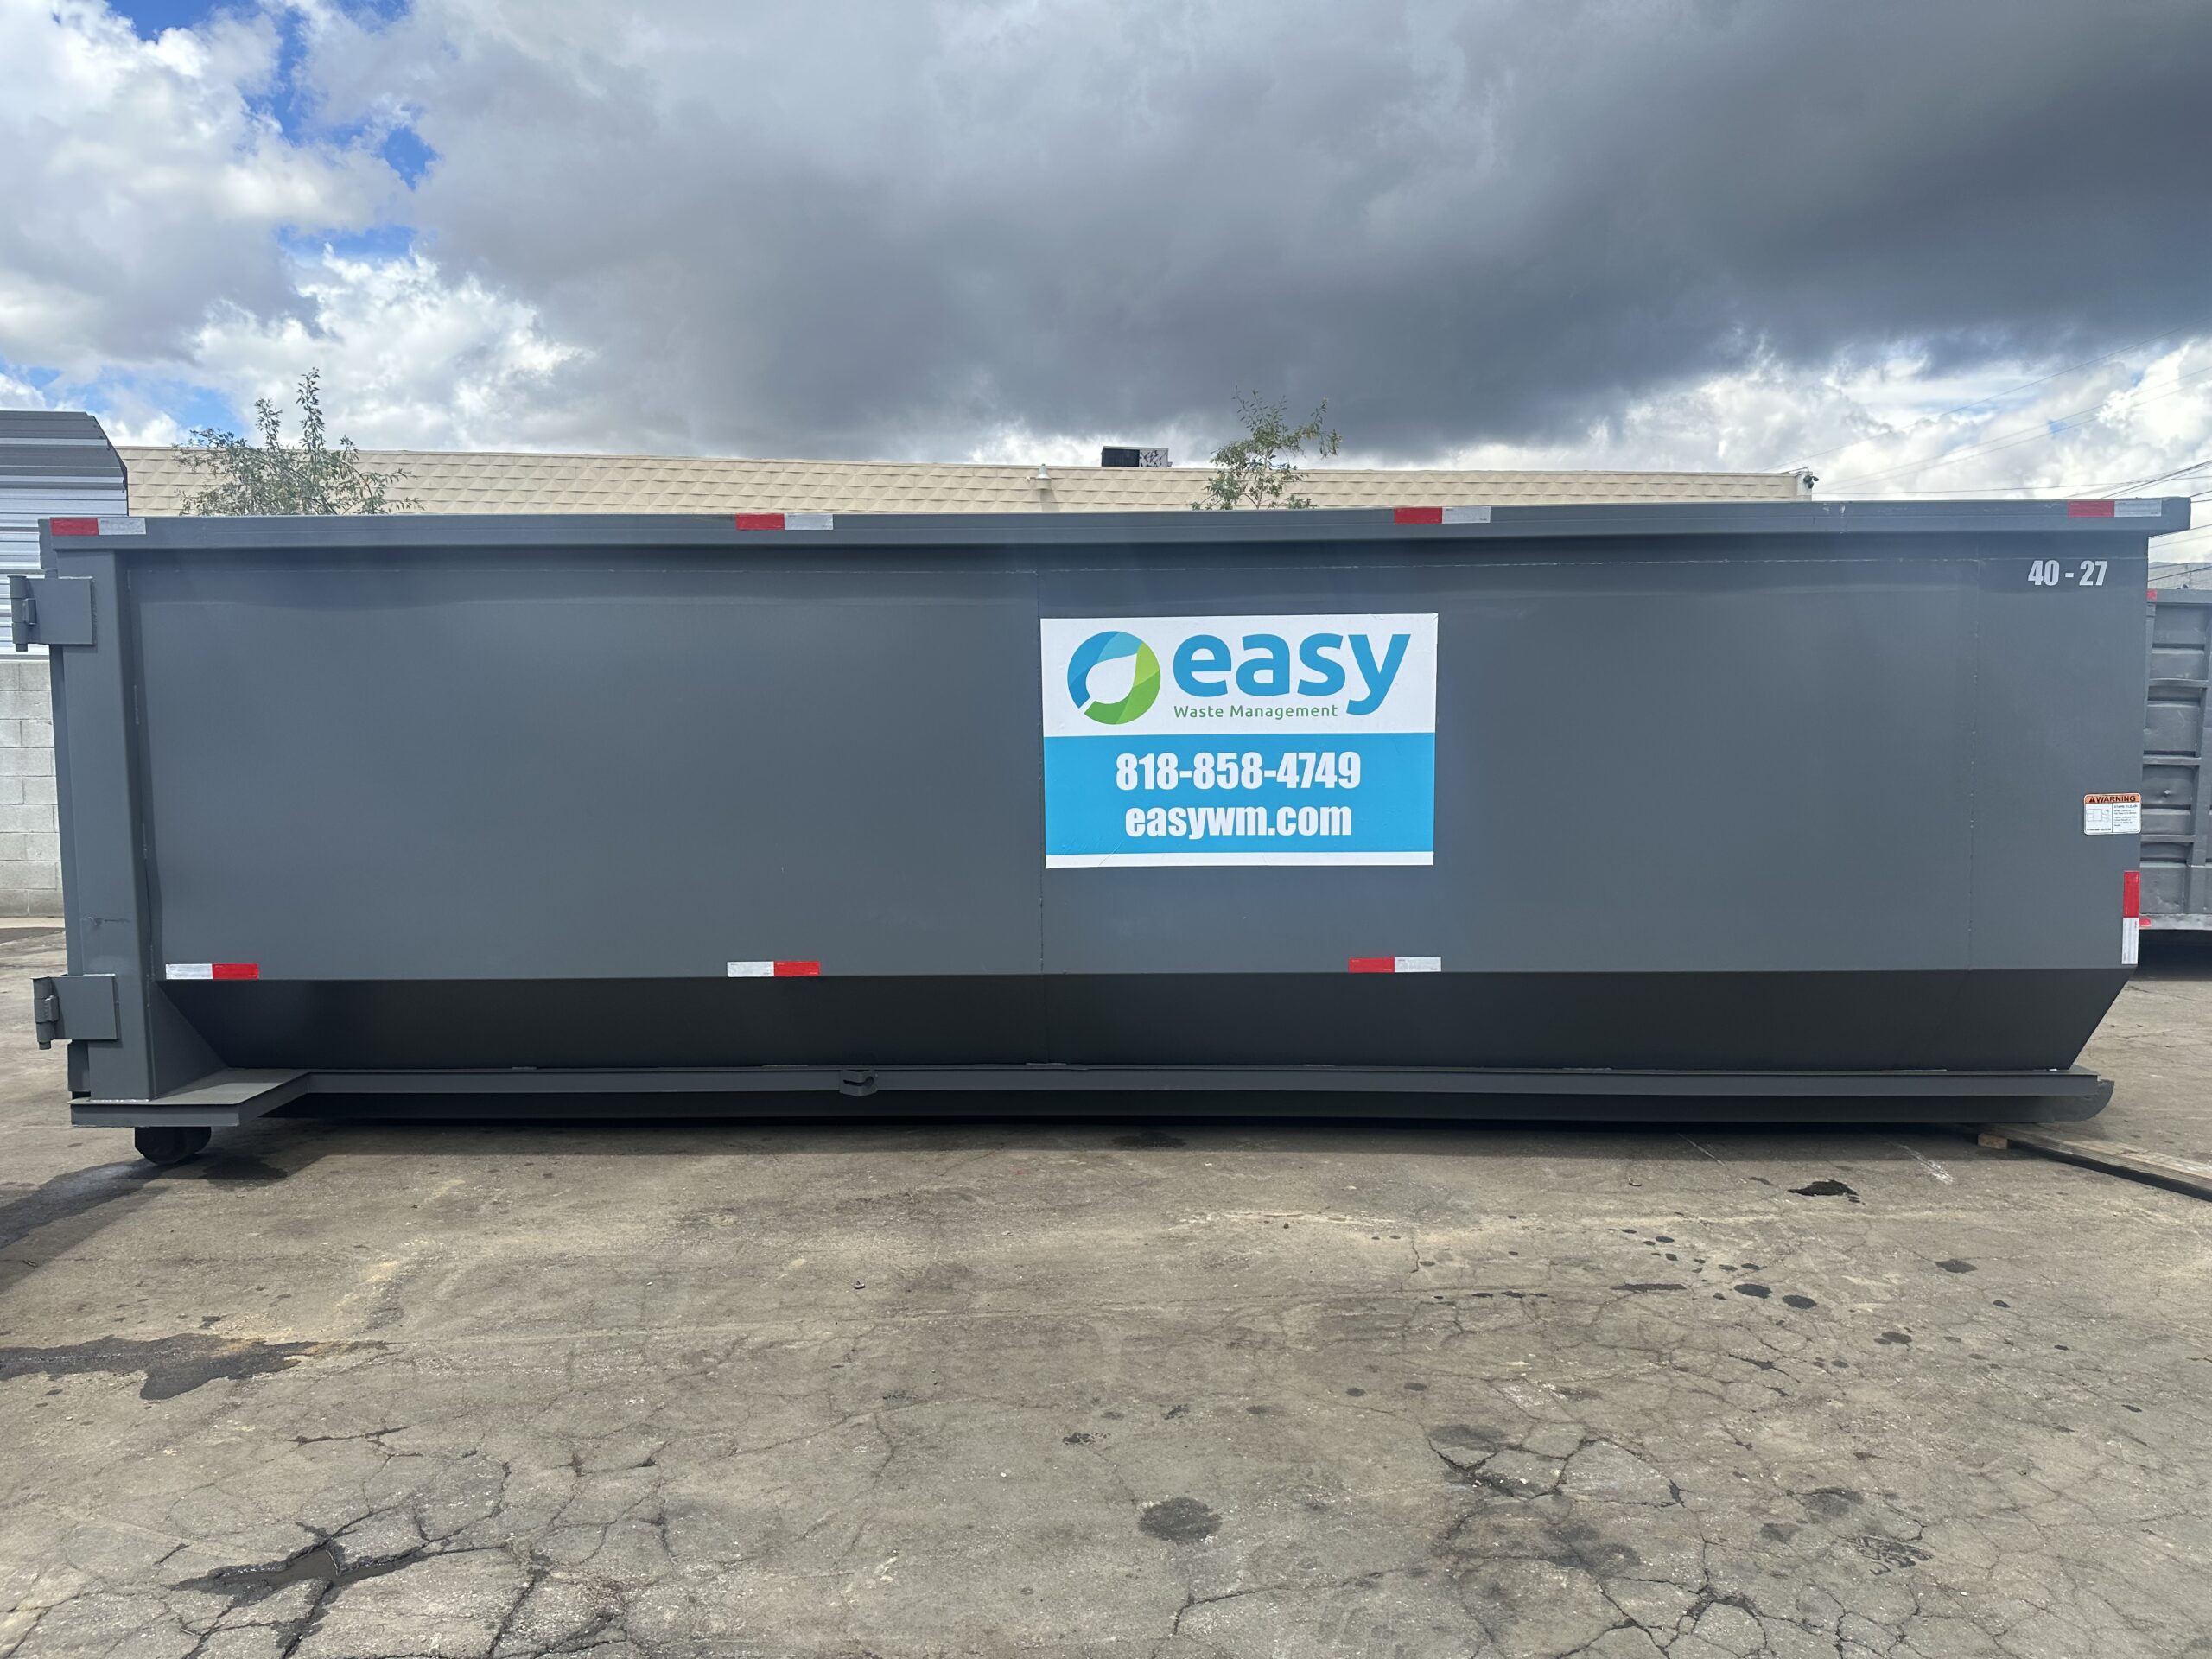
405,154
376,242
151,17
120,397
286,100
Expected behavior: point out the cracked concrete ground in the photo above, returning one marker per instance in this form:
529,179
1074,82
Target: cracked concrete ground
1173,1391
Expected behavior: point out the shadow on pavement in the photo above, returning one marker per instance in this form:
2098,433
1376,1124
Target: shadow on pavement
342,1132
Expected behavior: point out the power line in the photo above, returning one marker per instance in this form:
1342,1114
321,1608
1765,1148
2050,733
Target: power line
2049,428
2026,385
1993,492
2063,491
2077,492
2019,435
2141,483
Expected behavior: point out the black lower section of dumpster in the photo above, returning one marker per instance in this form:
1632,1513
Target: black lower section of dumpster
1980,1020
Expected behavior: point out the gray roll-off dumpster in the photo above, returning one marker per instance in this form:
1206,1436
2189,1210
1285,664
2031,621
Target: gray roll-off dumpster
1773,812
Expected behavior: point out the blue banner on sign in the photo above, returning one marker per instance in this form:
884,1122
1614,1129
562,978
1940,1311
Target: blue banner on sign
1309,798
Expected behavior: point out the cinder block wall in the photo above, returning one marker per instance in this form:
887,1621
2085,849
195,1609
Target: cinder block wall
30,836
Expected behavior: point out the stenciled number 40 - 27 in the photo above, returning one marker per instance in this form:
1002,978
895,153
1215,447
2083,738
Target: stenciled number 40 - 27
2048,573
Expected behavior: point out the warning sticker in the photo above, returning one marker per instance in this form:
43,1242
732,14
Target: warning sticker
2112,814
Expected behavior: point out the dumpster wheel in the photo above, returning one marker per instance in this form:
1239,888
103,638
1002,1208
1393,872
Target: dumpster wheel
168,1145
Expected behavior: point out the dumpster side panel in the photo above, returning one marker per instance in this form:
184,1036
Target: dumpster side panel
2055,664
1725,758
550,766
545,769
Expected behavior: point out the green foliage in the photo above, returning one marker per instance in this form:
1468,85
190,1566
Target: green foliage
307,477
1261,468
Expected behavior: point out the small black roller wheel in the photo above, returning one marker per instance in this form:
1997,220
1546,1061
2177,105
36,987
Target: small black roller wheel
170,1145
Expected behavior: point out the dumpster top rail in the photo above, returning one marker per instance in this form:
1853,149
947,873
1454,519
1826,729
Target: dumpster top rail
1412,524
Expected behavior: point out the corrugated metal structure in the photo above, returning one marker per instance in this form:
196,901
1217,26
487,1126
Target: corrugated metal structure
491,481
1775,810
2177,803
52,463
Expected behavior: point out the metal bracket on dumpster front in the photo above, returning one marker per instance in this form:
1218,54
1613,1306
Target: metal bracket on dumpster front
50,611
75,1007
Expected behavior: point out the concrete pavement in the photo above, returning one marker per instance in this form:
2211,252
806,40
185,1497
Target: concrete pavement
1113,1390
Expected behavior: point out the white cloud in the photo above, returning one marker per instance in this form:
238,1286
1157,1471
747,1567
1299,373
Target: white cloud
413,360
147,251
1899,427
142,184
20,394
995,231
976,227
1894,427
128,414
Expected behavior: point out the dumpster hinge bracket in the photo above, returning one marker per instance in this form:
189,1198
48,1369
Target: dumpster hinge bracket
50,611
75,1007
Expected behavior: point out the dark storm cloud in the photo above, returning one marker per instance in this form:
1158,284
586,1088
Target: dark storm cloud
896,228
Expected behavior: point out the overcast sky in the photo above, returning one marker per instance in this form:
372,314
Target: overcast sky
1603,233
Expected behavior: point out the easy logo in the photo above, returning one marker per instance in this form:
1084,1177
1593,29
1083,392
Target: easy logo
1144,684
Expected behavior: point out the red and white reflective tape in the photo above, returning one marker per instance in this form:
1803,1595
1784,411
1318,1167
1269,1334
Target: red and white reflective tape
786,520
1440,515
211,970
781,968
98,526
2131,917
1396,964
2140,507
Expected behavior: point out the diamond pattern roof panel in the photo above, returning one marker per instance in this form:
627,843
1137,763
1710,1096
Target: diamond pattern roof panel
492,481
